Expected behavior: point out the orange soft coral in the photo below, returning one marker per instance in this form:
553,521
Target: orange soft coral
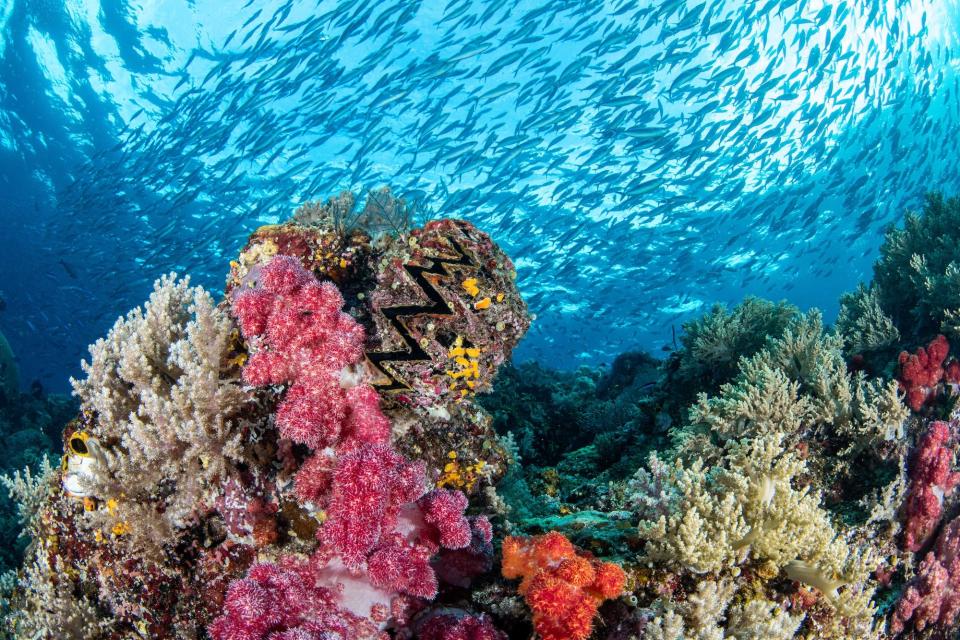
563,585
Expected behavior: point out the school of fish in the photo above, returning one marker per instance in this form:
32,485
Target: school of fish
637,160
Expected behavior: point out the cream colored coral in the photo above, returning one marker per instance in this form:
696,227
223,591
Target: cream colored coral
163,414
799,385
747,505
761,619
46,606
708,615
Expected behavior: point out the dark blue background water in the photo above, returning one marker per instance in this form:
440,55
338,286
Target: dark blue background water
639,161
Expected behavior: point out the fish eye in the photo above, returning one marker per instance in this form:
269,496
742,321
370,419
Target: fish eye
79,446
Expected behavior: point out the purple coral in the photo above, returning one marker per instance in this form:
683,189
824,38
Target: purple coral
933,597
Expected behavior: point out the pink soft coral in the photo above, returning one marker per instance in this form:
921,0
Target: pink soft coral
301,337
284,602
371,484
931,478
933,597
378,516
454,625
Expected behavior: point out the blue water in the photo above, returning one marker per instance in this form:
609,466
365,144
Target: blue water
639,161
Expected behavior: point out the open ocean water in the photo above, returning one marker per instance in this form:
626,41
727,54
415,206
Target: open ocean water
638,160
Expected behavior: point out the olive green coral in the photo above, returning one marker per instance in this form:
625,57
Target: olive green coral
799,384
918,275
712,345
862,323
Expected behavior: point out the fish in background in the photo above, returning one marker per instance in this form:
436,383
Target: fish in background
631,150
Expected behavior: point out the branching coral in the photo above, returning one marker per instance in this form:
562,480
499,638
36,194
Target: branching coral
747,505
918,275
165,415
799,385
712,345
862,323
708,614
29,490
48,606
382,213
562,585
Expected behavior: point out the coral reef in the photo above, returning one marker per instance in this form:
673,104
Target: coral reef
309,458
280,450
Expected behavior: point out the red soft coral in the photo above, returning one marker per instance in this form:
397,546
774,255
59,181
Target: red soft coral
563,586
299,336
920,373
931,478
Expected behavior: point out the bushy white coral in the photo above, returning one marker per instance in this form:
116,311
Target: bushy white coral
709,615
164,416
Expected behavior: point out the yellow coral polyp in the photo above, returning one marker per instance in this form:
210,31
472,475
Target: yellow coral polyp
120,528
460,476
482,304
467,366
470,286
238,360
